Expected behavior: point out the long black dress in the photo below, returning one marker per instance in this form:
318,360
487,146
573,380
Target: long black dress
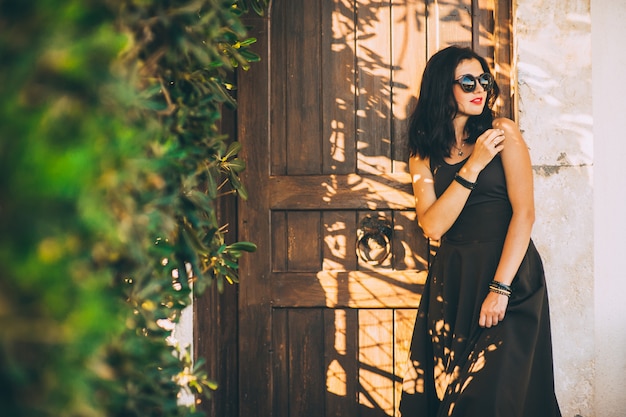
456,368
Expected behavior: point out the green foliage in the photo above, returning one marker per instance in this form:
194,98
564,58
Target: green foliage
111,163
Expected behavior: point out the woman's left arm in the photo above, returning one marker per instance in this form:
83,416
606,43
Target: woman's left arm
519,182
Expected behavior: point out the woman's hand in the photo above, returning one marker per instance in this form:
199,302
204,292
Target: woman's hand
488,145
493,309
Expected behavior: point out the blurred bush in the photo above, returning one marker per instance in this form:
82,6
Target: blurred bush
111,163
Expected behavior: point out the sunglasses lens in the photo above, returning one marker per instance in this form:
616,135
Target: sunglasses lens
467,83
486,81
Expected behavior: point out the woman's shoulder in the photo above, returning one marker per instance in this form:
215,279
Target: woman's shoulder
512,132
504,123
418,164
515,148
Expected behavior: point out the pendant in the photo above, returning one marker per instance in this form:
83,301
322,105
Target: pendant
459,149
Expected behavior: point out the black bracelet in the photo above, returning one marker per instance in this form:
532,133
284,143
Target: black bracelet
465,183
501,285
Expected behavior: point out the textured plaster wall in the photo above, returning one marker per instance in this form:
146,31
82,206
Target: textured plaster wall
553,46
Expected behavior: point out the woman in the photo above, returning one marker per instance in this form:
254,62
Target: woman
481,345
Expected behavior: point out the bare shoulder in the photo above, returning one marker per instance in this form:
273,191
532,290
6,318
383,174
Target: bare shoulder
512,134
506,124
419,165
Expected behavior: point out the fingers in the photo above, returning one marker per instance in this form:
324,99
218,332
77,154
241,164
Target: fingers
491,136
498,141
488,145
495,139
488,320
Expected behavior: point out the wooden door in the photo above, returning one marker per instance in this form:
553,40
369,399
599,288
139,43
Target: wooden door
327,304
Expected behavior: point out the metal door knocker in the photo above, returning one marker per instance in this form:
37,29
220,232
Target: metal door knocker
373,243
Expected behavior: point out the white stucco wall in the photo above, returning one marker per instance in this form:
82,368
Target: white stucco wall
568,111
553,40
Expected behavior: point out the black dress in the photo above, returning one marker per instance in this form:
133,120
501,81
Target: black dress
456,368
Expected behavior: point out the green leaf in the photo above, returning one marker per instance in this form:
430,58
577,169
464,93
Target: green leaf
236,165
200,199
211,186
243,246
241,191
220,250
248,42
250,56
233,149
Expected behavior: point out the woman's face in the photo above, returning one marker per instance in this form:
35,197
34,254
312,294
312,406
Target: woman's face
469,104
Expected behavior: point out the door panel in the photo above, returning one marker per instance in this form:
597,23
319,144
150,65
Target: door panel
327,303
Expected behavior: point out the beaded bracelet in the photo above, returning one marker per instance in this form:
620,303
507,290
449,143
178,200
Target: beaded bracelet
500,288
465,183
497,291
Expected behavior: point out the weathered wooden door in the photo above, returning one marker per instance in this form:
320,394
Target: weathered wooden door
327,304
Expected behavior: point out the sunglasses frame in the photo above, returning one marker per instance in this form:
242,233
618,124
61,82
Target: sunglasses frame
488,86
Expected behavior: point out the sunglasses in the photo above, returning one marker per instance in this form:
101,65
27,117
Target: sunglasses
468,82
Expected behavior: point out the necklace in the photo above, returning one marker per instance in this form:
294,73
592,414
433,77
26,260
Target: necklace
459,150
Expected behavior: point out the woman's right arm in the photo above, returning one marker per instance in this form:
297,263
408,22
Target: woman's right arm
436,215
